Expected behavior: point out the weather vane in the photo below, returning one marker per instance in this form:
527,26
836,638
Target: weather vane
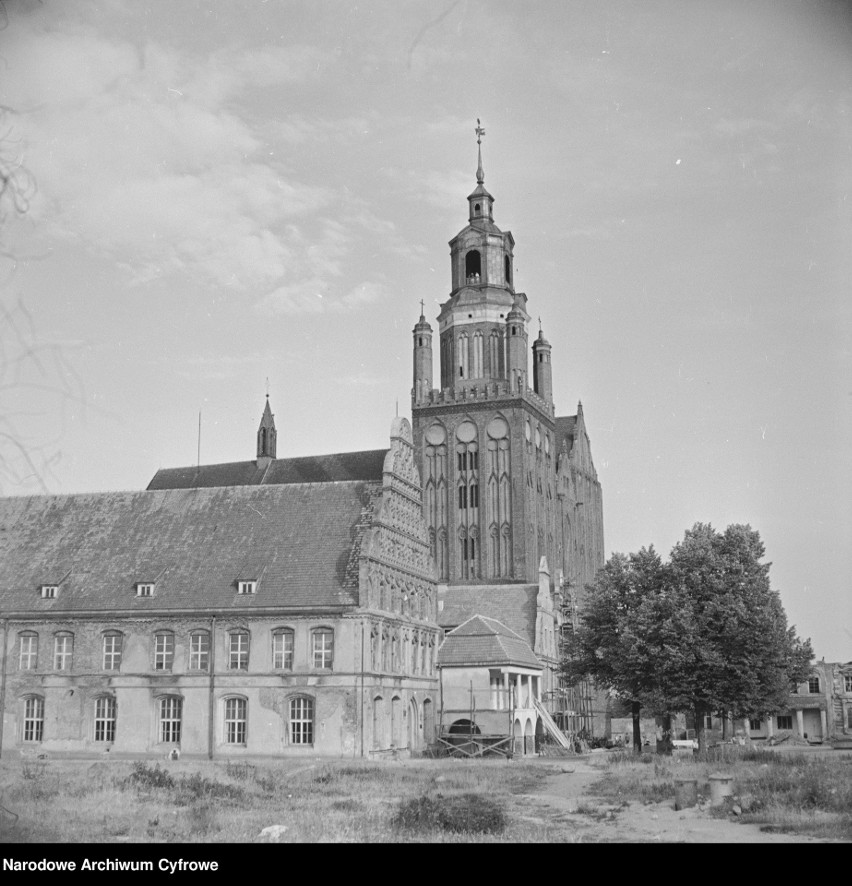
480,174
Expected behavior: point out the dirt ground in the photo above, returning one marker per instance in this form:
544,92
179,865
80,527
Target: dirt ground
571,784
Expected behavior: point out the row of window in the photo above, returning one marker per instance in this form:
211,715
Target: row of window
238,642
146,588
170,719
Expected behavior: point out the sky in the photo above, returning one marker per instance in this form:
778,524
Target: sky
215,197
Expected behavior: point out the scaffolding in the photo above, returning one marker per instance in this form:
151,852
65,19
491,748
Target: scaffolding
571,704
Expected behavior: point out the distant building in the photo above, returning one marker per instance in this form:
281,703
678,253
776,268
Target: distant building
819,711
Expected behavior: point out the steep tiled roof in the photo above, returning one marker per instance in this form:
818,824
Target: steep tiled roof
566,426
342,466
513,605
295,540
485,642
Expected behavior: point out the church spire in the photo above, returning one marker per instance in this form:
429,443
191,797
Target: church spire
480,172
481,202
266,434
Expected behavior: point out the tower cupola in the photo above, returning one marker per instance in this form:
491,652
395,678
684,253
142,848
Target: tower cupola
266,436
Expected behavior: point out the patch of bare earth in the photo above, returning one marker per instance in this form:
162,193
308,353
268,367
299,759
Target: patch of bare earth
568,798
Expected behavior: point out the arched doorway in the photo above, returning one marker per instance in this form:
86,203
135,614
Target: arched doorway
529,738
414,734
464,727
539,734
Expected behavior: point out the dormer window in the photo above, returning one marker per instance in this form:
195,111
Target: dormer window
247,587
49,592
145,589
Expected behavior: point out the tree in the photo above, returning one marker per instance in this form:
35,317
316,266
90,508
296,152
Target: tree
704,633
610,643
732,651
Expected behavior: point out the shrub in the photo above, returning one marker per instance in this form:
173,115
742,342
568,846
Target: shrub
240,771
152,777
197,787
459,814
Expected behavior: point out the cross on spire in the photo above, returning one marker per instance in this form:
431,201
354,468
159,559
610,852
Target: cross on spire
480,174
422,308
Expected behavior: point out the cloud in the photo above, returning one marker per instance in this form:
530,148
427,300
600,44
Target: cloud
151,158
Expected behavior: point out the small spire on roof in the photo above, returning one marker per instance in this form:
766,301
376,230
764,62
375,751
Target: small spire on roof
480,174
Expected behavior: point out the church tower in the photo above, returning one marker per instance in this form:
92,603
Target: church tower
485,439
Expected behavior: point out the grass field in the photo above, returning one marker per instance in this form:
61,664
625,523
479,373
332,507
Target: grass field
783,792
118,801
121,801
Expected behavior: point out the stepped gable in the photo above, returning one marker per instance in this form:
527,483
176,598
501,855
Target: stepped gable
193,544
485,642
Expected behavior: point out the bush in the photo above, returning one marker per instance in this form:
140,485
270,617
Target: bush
152,777
197,787
460,814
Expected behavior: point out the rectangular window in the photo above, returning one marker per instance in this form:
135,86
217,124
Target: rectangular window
145,589
847,682
708,721
462,461
105,719
754,725
302,720
33,718
199,651
323,648
785,723
474,495
49,592
112,651
29,652
63,646
164,651
246,587
238,651
171,708
813,685
235,721
462,497
282,650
